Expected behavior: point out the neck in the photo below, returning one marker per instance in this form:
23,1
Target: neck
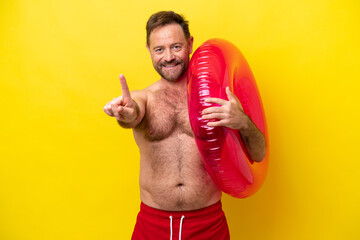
179,84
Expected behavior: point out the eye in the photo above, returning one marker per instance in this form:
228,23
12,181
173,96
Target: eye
177,47
158,50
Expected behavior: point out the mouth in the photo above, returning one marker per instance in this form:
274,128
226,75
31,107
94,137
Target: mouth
170,66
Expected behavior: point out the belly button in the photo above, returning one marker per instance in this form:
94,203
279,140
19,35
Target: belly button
180,185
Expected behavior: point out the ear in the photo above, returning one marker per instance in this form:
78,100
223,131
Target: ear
191,41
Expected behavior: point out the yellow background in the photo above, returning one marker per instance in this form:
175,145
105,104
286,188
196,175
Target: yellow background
67,171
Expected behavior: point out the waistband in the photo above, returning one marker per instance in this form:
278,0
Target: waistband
193,214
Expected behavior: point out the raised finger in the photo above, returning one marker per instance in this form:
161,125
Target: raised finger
216,100
124,87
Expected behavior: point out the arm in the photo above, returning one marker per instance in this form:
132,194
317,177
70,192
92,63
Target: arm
231,115
128,111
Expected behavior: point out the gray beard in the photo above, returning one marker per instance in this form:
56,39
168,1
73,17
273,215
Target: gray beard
184,67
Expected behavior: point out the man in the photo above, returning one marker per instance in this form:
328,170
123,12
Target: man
178,197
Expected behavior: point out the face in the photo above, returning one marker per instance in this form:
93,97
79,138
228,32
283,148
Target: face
170,51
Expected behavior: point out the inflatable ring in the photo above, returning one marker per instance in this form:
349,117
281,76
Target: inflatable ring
214,65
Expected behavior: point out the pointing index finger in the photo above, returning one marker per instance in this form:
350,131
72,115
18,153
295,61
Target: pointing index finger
124,87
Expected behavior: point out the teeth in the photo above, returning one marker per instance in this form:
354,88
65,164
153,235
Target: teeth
170,65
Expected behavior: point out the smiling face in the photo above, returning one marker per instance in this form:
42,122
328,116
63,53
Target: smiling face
169,51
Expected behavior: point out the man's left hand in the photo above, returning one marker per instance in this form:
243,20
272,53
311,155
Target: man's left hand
230,113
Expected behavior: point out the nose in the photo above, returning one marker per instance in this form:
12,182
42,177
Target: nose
169,55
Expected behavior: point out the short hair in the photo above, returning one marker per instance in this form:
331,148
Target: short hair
163,18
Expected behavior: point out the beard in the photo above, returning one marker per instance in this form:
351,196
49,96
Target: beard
172,75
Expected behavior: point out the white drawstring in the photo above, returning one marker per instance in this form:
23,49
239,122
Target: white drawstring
170,227
180,230
181,222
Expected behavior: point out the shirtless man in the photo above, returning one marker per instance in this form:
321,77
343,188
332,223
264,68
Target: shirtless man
178,197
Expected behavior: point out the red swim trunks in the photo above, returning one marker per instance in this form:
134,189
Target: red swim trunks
203,224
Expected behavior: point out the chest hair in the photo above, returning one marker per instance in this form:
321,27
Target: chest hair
166,114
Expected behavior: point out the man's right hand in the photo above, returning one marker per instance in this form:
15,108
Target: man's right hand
123,108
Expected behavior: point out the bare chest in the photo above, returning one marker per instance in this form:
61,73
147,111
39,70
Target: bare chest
166,114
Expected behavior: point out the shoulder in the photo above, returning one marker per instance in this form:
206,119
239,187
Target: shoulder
155,86
144,95
150,90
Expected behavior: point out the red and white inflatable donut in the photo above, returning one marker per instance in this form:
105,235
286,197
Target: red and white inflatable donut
214,65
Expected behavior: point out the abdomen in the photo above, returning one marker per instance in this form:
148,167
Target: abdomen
172,175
